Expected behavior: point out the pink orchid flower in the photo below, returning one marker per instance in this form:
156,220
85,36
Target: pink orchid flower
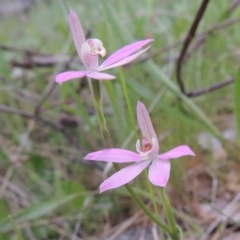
88,51
159,170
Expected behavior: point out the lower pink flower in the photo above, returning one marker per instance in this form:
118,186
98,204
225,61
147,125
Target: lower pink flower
159,170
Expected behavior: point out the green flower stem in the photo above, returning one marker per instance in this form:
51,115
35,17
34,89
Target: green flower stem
95,87
150,187
151,192
123,81
169,214
142,205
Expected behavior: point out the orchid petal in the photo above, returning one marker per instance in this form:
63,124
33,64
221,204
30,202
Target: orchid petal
123,176
145,123
159,172
89,60
124,61
77,32
125,52
66,76
113,155
177,152
100,76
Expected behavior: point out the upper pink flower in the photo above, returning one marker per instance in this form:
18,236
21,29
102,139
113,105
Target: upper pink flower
88,51
159,170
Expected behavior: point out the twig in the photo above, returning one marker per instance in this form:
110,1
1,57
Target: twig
14,188
178,43
202,36
80,218
14,7
219,26
7,109
199,42
7,177
226,212
232,7
34,59
14,49
211,88
39,60
187,42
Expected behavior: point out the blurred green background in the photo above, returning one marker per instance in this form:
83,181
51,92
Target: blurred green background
47,191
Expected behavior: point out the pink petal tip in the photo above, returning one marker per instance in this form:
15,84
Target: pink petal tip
177,152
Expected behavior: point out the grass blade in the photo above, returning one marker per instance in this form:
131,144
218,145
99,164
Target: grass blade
158,74
237,102
36,211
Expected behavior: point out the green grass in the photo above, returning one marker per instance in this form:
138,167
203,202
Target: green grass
48,180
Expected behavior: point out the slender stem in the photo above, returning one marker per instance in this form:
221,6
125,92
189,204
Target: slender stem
146,211
123,81
95,87
142,205
169,214
150,187
11,220
152,194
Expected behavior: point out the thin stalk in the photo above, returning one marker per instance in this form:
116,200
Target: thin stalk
95,87
169,214
151,193
152,196
123,81
11,220
146,211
